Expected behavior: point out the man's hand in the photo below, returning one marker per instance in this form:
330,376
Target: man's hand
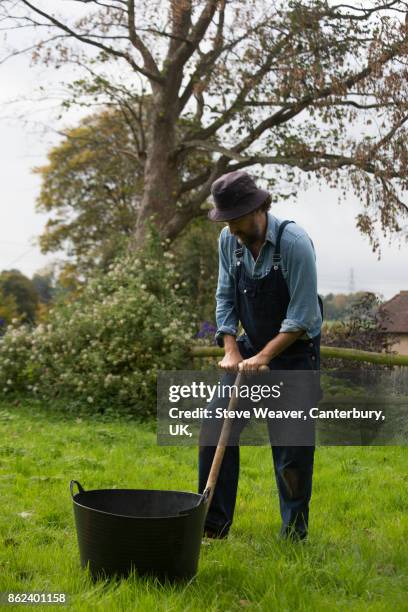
253,363
230,361
232,355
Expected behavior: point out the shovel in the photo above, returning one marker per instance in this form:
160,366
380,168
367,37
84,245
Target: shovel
223,441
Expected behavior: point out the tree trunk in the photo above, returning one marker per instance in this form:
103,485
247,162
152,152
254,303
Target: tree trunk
161,176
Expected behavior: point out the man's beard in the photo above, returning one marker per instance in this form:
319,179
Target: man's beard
250,239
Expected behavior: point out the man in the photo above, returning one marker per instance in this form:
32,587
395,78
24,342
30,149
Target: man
267,281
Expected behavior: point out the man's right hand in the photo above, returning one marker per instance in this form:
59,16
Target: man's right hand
230,361
232,355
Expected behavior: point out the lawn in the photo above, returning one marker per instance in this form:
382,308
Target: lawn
356,557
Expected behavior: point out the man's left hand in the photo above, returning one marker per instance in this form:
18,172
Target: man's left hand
253,363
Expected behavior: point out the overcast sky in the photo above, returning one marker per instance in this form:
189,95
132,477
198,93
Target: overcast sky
339,246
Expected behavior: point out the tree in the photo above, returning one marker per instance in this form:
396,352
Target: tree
92,190
13,284
362,330
196,253
8,310
340,305
311,88
44,283
93,185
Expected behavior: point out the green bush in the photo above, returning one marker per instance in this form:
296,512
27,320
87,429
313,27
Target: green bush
106,347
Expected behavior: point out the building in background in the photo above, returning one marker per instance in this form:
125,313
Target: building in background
394,321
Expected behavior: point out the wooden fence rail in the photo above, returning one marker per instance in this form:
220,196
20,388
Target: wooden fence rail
325,351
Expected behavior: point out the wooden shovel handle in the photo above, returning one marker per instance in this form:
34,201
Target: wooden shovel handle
223,440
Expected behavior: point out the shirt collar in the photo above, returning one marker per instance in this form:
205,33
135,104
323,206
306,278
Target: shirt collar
271,228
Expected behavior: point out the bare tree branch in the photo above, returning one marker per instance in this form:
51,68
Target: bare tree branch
137,42
330,103
186,50
94,43
284,114
249,84
307,160
181,11
367,12
386,139
208,59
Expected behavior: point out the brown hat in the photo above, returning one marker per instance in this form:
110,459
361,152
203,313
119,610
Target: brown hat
235,195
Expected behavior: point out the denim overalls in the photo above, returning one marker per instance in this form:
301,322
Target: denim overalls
261,306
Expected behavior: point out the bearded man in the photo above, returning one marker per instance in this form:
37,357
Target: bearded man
267,282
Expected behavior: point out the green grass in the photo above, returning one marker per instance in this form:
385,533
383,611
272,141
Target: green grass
356,557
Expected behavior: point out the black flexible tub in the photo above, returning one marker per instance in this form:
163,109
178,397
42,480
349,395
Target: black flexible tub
153,532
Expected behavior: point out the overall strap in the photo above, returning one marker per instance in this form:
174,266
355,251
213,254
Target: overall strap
277,254
238,252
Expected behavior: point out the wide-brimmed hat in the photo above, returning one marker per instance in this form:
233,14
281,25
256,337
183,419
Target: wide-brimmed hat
235,195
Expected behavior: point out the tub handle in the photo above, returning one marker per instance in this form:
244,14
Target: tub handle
71,487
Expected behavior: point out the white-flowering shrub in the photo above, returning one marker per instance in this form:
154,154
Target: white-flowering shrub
104,349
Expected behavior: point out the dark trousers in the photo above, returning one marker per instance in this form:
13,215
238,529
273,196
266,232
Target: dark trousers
293,466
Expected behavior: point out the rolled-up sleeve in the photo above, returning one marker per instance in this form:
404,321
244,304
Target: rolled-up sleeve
303,311
225,313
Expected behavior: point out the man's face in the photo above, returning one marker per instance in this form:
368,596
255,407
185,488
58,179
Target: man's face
249,228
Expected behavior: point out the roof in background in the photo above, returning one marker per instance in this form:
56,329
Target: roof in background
395,314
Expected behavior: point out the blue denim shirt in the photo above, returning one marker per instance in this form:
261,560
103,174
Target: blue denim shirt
298,265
